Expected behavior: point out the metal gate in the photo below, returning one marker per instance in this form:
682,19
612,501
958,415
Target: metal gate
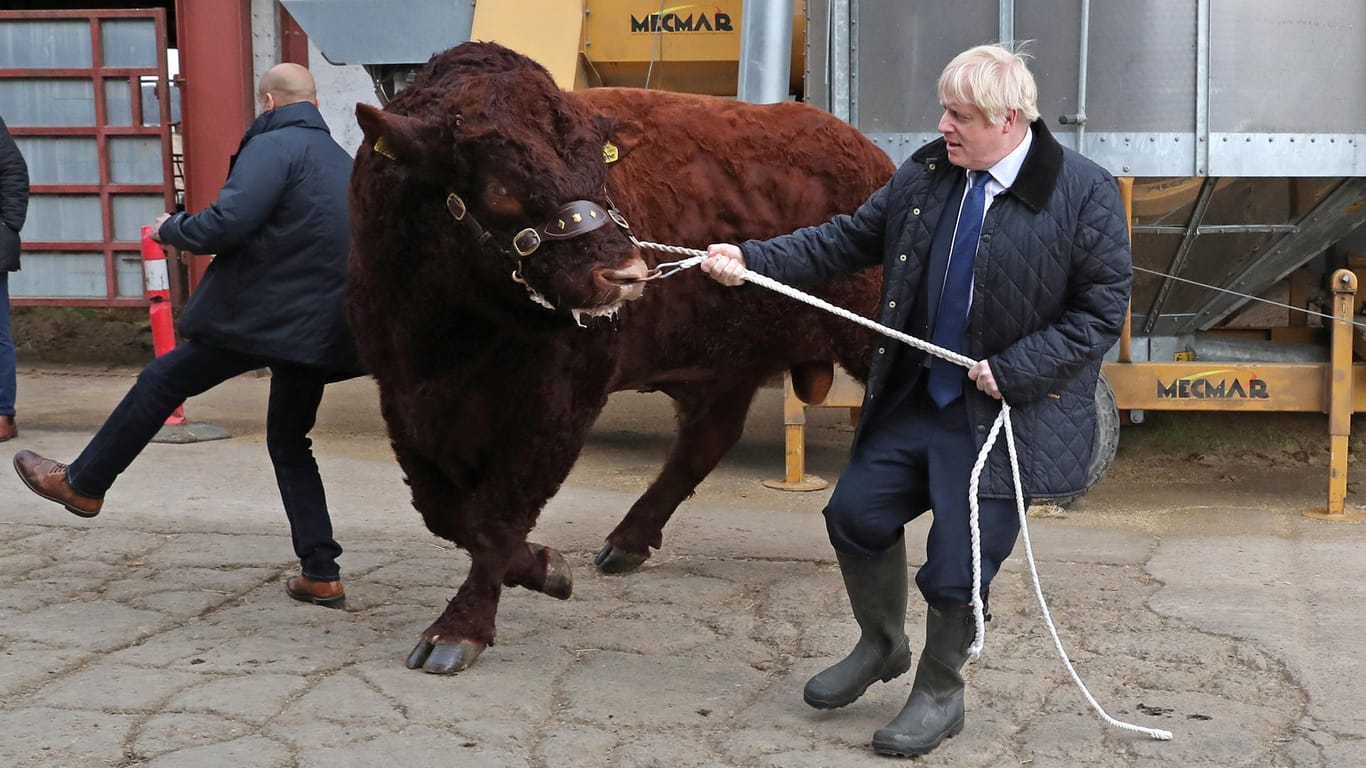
86,96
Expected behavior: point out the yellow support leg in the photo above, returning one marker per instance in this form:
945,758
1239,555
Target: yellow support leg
794,424
1340,400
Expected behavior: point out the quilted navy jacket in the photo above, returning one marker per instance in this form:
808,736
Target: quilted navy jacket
281,234
1051,291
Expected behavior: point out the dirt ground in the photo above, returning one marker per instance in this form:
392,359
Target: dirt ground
85,336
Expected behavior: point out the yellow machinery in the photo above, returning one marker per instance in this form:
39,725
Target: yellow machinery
671,46
693,47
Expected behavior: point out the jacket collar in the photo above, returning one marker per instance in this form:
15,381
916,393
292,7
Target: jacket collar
300,113
1038,176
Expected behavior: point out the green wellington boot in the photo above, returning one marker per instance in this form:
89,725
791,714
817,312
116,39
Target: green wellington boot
934,711
877,593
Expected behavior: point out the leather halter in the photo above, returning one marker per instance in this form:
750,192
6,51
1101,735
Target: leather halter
575,218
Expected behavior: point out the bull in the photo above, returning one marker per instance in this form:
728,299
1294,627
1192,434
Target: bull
498,297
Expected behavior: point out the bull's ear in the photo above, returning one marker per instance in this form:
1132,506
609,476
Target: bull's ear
623,132
406,139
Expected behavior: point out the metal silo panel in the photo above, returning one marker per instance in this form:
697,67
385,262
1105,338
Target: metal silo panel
129,282
151,108
1140,63
132,212
118,104
44,44
128,42
1288,66
1285,88
60,159
817,59
63,218
901,47
48,102
1051,32
334,26
79,275
135,160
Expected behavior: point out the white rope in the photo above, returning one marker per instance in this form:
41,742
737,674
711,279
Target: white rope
1002,421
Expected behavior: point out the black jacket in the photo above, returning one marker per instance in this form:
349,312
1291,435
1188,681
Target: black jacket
13,199
281,236
1051,291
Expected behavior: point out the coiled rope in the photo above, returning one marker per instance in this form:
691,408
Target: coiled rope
1002,423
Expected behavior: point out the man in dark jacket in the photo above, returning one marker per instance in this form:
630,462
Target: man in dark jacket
13,211
272,297
997,243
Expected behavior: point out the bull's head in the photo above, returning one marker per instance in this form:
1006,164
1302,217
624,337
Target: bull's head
519,175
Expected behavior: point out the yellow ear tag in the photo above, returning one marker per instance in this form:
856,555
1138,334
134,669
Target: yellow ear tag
383,150
610,153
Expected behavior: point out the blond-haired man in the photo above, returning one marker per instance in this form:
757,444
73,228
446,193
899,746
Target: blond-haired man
998,243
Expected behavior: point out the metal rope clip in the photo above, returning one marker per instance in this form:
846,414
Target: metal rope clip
666,269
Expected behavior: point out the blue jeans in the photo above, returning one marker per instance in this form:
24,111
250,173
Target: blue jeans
918,456
8,381
191,369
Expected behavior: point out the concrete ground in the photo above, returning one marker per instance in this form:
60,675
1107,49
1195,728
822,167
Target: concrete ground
158,634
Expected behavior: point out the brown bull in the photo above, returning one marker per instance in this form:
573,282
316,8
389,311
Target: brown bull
497,311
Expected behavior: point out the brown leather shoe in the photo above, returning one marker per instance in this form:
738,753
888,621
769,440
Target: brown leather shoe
8,430
47,478
328,594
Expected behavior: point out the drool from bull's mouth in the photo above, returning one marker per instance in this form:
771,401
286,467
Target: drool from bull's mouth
608,312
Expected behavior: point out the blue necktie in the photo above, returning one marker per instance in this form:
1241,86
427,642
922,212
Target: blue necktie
946,379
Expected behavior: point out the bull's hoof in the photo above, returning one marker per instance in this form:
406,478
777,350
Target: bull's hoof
612,559
443,658
559,578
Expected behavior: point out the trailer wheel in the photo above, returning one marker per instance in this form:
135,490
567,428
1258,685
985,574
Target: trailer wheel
1107,438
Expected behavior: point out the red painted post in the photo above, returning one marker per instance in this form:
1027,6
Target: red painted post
217,98
293,41
157,286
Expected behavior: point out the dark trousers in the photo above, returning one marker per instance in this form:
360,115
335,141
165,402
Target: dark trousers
916,457
192,369
8,376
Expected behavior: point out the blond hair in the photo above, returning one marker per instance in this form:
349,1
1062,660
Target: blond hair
993,78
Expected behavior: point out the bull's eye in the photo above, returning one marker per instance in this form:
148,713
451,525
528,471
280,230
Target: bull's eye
500,201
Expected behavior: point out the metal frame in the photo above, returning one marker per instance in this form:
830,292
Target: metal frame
108,247
841,58
1183,253
1328,222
